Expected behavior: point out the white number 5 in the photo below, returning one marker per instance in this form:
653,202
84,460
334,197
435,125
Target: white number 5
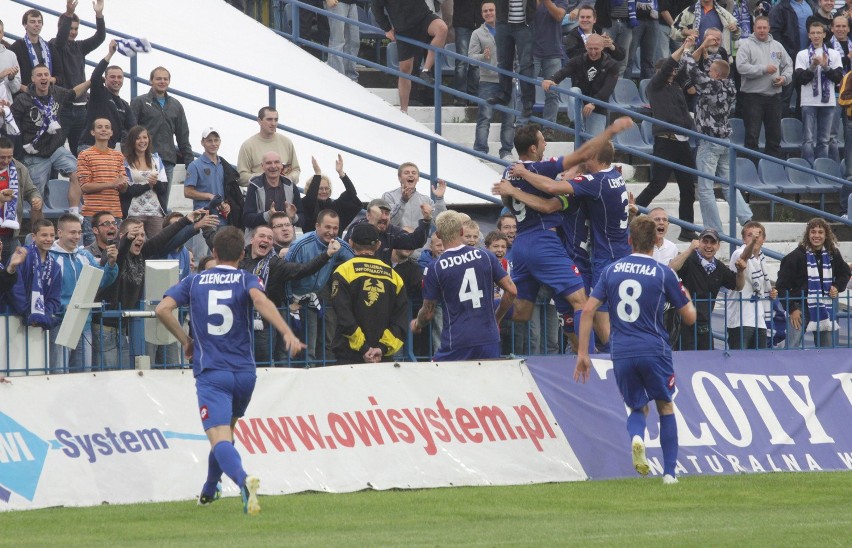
215,308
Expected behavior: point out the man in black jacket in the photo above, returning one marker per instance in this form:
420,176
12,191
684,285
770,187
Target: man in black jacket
72,64
665,92
391,236
105,102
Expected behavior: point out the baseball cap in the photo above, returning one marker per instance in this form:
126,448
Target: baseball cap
381,204
708,233
207,131
364,234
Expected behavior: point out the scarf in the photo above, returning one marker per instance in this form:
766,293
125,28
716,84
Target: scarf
49,122
820,84
709,266
631,13
45,50
743,19
650,7
10,208
820,312
696,24
261,270
131,46
760,285
835,43
41,272
6,118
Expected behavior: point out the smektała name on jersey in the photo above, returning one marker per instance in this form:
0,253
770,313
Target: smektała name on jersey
633,268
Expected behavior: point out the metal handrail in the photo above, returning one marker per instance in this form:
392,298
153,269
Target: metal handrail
731,183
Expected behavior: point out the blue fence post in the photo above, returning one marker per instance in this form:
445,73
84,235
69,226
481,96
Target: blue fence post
134,74
294,23
732,196
579,124
437,70
272,95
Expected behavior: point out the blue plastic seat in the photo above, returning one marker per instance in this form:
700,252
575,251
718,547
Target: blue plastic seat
792,134
737,131
632,138
626,95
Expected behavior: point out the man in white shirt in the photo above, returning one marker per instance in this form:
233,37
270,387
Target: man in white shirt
747,310
664,250
818,69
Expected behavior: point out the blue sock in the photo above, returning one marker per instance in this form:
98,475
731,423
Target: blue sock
214,475
636,424
229,461
668,442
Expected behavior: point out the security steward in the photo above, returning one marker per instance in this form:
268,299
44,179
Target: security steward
370,301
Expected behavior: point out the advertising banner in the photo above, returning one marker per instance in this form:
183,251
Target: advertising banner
128,436
741,411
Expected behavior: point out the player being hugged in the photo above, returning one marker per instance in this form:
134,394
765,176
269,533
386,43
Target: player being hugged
462,279
637,288
220,304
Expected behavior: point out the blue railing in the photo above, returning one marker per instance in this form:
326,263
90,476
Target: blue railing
731,184
517,339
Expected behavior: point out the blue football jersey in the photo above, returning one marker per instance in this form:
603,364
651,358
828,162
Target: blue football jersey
222,318
637,288
574,232
528,218
605,196
462,281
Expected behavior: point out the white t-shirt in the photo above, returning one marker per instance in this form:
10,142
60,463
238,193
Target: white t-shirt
753,313
806,91
665,253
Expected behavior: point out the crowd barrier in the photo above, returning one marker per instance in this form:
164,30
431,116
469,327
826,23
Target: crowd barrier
135,436
27,350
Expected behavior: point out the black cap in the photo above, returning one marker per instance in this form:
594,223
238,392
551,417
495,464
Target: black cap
379,203
364,234
708,233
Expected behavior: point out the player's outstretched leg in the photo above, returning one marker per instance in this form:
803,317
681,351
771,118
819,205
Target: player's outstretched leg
668,443
636,429
251,505
212,488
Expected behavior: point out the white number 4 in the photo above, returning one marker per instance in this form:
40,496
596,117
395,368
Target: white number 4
469,290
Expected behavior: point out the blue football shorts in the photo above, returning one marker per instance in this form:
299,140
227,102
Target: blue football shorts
540,258
644,378
223,395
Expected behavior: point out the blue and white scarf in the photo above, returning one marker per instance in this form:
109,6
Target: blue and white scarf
650,7
743,19
696,24
709,266
261,270
41,273
45,50
10,208
820,311
835,43
6,118
49,122
131,46
820,84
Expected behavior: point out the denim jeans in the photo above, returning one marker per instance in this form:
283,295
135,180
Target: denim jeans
645,36
466,76
110,348
795,337
817,122
512,38
546,68
345,38
66,360
745,337
664,42
622,35
483,122
712,158
592,125
170,171
61,160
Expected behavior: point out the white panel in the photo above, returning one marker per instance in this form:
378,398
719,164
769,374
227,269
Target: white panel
77,312
159,277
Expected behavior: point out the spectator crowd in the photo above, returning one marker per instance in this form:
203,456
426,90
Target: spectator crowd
311,251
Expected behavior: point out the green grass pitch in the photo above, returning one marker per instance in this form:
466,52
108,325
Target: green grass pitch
790,509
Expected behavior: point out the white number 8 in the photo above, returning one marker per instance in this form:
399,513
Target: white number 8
628,304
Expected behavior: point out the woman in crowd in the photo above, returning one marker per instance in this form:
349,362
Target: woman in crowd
809,279
145,195
318,197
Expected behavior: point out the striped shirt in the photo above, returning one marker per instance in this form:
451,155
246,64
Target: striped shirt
100,166
516,11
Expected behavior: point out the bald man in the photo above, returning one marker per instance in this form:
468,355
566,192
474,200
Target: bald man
271,192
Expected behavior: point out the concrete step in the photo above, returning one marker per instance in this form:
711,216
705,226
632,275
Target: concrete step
389,95
426,115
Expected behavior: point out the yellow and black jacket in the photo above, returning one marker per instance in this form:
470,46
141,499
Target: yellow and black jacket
372,309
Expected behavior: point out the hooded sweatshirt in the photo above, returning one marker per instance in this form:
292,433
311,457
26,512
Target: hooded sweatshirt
752,60
71,266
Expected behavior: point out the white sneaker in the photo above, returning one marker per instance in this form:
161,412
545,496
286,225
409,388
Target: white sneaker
251,505
640,462
668,479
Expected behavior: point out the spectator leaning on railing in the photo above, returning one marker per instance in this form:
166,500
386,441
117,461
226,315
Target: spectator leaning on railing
809,278
36,294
